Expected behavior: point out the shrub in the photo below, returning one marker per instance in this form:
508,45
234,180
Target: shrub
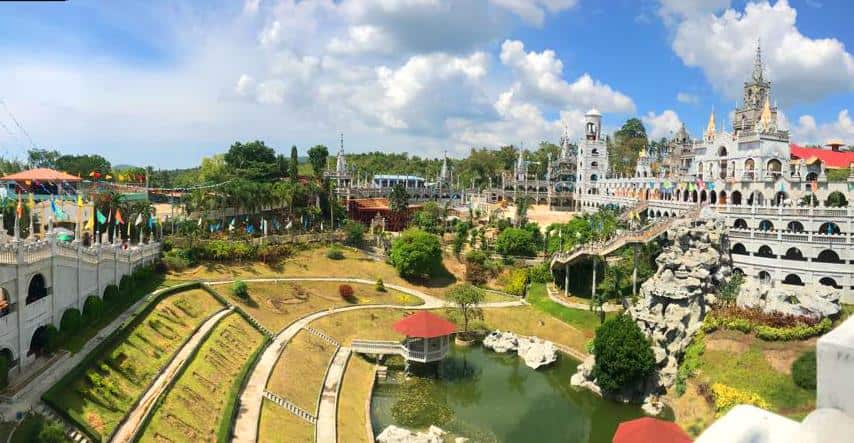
175,262
623,356
726,397
93,307
111,294
540,273
70,322
690,361
271,251
476,256
804,370
516,281
379,286
240,290
334,253
51,339
769,327
4,371
416,254
355,233
125,283
799,332
476,274
515,241
346,292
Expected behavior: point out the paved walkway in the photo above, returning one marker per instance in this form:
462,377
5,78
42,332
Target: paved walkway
251,399
129,428
29,396
326,429
555,296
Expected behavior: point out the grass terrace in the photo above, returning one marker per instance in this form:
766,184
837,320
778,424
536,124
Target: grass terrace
585,320
195,407
298,375
355,393
280,426
277,304
104,393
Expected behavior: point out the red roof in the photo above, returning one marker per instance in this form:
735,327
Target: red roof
42,174
424,325
649,430
831,159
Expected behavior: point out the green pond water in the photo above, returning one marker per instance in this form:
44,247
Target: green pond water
496,398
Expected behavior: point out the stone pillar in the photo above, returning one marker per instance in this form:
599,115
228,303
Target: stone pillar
566,281
635,272
20,305
593,289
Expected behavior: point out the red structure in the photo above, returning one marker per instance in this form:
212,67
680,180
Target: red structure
831,159
364,210
650,430
424,325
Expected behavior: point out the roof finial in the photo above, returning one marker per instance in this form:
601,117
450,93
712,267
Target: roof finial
757,62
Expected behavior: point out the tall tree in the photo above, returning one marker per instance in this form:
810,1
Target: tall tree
83,165
317,156
293,165
623,150
398,199
253,160
282,165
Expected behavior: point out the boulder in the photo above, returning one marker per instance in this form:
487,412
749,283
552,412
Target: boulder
812,300
501,342
395,434
536,352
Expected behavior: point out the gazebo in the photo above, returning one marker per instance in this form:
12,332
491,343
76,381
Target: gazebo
427,336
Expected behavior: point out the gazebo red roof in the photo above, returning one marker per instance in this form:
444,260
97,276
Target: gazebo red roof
41,174
648,429
424,325
831,159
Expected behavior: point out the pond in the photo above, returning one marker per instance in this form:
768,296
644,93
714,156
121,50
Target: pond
496,398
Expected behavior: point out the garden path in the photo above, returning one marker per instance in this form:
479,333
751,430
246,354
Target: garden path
555,297
326,427
135,418
251,399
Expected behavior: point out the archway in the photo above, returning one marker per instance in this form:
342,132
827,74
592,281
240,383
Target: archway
765,251
811,177
722,198
694,196
736,198
713,199
793,279
5,303
828,256
829,228
749,166
755,199
703,196
836,199
739,223
795,226
38,342
764,277
739,249
794,254
827,281
774,167
766,225
779,198
37,289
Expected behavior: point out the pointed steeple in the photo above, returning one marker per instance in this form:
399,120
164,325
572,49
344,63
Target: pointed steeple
766,118
758,71
520,163
341,161
710,128
443,174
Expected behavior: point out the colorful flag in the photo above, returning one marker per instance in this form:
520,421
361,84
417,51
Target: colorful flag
138,219
31,202
79,200
90,224
119,219
101,217
19,211
151,221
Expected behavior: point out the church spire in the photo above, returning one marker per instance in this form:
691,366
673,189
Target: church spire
758,70
341,163
710,128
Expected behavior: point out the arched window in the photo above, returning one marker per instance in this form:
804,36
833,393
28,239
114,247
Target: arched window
722,198
766,225
774,167
793,279
37,289
829,228
739,249
828,256
779,198
764,277
594,151
594,165
794,254
755,199
5,306
594,177
765,251
713,199
736,198
811,177
737,271
836,199
795,226
749,165
827,281
722,151
703,196
739,223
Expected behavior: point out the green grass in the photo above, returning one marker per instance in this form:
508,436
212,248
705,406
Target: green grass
101,396
28,430
750,371
75,343
582,319
194,407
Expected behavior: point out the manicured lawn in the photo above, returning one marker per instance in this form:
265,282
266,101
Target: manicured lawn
583,319
277,304
314,263
355,393
298,375
193,408
105,392
138,290
280,426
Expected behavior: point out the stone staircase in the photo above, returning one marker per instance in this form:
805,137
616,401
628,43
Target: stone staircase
323,336
70,431
638,208
258,325
290,407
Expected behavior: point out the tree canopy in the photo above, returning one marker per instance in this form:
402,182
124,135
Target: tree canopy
623,150
466,299
623,354
82,165
516,241
416,254
253,160
317,157
398,199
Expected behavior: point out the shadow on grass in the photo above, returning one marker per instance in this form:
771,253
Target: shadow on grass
442,279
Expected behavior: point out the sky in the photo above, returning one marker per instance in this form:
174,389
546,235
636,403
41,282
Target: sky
164,83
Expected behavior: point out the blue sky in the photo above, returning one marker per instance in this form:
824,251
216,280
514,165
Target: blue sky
165,83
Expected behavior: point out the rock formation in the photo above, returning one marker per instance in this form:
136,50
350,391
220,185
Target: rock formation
535,351
812,300
672,304
394,434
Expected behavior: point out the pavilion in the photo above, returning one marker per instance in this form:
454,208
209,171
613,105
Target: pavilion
43,181
427,338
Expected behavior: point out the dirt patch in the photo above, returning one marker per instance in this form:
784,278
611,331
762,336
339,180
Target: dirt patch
95,421
726,345
781,359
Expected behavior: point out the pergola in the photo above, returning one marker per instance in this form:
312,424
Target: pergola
427,336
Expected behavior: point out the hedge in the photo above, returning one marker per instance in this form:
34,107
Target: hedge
767,333
71,321
726,397
93,307
106,345
111,294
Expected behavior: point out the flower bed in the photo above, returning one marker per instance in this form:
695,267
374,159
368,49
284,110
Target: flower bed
769,327
726,397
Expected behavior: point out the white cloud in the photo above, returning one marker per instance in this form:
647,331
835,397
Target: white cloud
245,85
690,99
808,131
540,77
534,11
362,39
251,6
676,9
802,69
661,125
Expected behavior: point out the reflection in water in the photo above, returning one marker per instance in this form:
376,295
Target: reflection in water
496,398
